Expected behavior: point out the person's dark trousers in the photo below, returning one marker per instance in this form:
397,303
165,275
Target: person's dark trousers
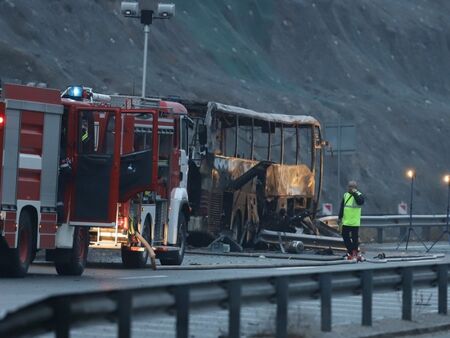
351,236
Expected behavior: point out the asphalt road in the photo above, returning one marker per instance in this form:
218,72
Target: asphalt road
105,272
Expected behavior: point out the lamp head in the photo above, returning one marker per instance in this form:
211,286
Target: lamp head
165,11
447,179
411,173
130,9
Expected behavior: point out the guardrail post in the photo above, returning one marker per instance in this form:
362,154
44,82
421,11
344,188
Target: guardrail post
234,306
380,235
182,309
282,290
442,288
402,231
367,291
61,315
407,287
325,301
426,233
124,314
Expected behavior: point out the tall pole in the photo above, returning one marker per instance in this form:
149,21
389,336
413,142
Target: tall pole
446,231
410,210
448,208
144,66
339,159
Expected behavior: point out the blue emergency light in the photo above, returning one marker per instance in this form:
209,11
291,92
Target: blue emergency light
74,93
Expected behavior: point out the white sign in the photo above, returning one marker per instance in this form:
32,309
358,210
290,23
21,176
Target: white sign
402,208
327,209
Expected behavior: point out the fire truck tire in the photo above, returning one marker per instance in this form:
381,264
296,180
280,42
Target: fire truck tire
181,243
137,259
19,259
74,260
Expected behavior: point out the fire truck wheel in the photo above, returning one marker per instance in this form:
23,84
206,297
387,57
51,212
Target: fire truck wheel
181,243
19,259
74,259
137,259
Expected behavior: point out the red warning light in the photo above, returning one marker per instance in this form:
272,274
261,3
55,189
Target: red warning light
2,120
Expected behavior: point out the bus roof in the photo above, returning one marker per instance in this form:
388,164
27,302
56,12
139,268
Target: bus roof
214,107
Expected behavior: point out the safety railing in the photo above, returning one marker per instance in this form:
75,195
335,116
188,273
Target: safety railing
381,223
61,313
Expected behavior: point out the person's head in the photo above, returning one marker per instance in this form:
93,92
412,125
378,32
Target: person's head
352,185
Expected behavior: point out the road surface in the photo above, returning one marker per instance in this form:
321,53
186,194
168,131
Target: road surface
105,272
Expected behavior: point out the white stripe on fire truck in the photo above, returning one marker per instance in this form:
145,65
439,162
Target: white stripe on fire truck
30,161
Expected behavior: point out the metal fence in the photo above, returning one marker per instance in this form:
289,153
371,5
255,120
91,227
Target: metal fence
61,313
381,223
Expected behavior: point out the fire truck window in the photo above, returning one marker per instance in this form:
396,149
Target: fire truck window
86,133
96,132
290,145
165,145
110,134
142,139
261,140
185,134
165,148
305,145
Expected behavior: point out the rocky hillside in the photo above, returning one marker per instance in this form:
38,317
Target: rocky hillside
385,65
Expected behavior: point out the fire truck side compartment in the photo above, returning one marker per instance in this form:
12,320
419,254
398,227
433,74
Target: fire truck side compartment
30,163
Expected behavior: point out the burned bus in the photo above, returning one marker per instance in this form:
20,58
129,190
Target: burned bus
250,171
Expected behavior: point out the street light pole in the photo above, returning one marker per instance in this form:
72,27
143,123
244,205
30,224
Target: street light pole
446,231
131,9
412,175
144,66
447,179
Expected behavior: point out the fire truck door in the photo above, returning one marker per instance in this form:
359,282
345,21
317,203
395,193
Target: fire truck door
97,166
135,173
139,155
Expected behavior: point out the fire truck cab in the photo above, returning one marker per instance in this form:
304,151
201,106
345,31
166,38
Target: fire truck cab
74,163
162,211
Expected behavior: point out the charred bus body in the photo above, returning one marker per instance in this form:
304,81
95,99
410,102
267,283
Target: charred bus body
250,171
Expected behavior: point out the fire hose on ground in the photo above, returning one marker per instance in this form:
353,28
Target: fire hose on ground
144,242
149,249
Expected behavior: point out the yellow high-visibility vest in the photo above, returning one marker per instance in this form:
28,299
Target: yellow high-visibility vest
352,211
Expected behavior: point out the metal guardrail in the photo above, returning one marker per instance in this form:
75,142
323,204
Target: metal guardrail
60,313
393,220
380,223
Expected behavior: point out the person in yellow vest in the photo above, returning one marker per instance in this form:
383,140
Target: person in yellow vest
350,220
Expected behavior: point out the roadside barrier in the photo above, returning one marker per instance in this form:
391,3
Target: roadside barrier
381,223
61,313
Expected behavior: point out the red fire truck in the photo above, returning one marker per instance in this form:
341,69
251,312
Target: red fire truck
161,212
71,164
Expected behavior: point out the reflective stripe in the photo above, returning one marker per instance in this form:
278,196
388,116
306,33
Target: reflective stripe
85,136
352,211
30,161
